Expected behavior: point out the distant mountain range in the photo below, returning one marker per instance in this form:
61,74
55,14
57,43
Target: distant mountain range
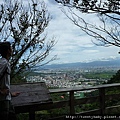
94,64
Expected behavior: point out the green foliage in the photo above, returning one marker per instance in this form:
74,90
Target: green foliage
115,78
99,75
114,90
18,79
59,96
22,116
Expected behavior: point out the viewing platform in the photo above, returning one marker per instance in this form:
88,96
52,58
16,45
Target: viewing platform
36,97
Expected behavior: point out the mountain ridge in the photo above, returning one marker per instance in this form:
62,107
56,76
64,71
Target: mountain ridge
99,63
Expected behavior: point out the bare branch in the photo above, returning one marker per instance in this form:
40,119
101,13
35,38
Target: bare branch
24,25
108,12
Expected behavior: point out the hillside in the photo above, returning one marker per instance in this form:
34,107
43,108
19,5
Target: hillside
94,64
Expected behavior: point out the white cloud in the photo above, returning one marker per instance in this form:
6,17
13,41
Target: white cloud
73,45
90,51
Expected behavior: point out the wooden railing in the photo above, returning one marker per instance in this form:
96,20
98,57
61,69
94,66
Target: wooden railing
101,98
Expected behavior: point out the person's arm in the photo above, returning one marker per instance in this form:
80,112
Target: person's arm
15,94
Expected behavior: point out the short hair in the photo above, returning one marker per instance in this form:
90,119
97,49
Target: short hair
4,47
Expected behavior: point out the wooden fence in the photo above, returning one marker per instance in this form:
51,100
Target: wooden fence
101,98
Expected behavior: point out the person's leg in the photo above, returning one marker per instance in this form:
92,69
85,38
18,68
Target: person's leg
12,115
4,110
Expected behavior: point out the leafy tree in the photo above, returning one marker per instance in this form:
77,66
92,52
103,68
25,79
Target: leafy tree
108,12
23,24
115,78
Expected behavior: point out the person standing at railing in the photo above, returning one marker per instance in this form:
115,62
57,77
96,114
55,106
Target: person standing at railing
6,108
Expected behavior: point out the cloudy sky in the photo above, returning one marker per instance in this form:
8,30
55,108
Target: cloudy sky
72,44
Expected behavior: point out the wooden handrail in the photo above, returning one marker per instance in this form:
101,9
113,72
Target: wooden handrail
72,102
83,89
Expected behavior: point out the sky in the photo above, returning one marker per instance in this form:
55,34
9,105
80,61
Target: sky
73,45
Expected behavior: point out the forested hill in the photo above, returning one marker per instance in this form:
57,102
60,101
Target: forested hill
107,63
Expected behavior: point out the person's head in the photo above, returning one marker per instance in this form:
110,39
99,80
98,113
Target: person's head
5,49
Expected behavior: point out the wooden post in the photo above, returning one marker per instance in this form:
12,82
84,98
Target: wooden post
32,115
102,100
72,109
